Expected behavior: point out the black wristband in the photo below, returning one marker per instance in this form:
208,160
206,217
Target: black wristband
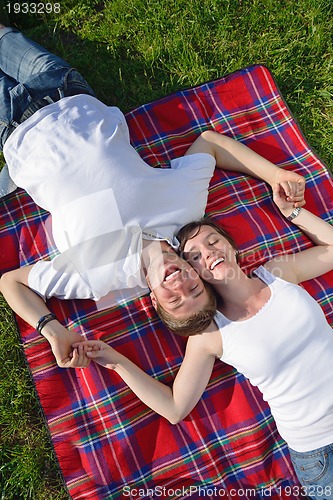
43,321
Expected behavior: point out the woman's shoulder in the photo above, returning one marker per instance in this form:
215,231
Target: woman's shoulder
279,267
208,342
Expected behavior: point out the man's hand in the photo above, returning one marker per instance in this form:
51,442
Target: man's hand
61,341
292,184
235,156
79,356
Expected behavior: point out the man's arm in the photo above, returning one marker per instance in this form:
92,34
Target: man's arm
235,156
31,307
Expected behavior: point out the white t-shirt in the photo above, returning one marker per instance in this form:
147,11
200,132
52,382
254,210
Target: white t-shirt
75,160
286,350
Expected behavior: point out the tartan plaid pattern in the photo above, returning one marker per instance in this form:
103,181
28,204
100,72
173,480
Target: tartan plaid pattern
110,445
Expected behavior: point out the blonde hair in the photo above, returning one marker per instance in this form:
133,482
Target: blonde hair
195,324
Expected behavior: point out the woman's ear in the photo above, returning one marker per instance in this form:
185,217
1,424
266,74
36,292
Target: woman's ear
153,300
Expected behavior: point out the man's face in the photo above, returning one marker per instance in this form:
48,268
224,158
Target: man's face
175,285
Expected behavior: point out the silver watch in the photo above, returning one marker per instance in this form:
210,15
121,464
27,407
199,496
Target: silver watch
294,213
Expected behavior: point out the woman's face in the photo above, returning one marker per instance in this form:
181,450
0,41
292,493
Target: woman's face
211,255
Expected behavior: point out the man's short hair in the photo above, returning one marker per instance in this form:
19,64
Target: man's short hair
195,324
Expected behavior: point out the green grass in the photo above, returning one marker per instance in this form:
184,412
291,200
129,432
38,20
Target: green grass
134,51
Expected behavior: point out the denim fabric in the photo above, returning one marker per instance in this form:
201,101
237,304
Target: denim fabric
29,73
314,470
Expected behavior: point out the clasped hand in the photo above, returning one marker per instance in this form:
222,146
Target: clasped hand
288,189
284,197
99,351
71,351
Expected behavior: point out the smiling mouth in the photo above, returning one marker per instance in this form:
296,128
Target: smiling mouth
216,263
171,274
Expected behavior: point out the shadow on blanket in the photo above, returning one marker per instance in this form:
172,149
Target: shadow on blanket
109,444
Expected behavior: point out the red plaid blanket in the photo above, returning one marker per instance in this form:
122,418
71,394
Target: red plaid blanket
110,445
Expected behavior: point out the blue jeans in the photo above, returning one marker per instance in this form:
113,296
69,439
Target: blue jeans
314,470
31,77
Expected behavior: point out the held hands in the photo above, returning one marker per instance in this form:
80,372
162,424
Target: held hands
61,345
97,350
291,187
285,203
71,352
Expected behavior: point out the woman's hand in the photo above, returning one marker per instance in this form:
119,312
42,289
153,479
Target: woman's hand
292,185
284,204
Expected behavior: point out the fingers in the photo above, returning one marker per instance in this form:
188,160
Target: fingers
94,353
96,344
79,357
293,189
83,352
299,204
294,192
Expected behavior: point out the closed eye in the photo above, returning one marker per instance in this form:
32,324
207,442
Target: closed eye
179,302
192,257
174,301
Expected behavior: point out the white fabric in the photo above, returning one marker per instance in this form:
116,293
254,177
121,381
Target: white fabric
286,350
75,160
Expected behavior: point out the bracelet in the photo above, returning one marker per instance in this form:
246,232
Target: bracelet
294,213
43,321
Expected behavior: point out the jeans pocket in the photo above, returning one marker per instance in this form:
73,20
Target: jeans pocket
310,468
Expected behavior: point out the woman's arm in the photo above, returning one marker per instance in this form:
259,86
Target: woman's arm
307,264
31,307
172,403
235,156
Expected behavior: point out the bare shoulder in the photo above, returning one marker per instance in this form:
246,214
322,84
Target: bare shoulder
282,267
210,341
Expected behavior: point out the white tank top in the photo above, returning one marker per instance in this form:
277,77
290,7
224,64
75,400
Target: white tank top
286,350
